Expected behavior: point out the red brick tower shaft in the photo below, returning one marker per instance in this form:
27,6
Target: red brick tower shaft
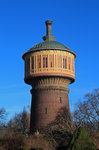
48,98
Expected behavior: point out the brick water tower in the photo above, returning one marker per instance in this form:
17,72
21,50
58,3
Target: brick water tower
49,69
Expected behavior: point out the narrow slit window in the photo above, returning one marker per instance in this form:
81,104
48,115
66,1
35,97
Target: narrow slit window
60,100
46,110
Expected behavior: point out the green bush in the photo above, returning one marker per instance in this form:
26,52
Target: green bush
23,148
81,140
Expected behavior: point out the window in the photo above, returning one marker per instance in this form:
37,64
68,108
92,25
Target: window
69,63
46,110
39,61
72,64
35,62
45,61
51,65
59,59
28,65
55,61
51,61
64,62
32,61
60,100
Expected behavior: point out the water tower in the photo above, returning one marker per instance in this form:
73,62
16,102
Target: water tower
49,69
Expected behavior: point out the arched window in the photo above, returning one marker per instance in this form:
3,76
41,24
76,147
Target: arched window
39,61
59,59
64,62
32,63
28,65
45,61
51,61
69,63
72,64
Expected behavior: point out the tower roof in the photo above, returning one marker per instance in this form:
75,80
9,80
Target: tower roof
49,43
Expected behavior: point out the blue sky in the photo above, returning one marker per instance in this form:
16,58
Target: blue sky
75,24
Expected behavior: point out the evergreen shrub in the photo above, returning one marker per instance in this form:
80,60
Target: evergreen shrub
81,140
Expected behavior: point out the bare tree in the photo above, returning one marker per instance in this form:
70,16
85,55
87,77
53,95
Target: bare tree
61,129
63,120
3,128
87,112
3,115
20,122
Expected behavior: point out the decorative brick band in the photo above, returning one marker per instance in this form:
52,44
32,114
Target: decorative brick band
51,83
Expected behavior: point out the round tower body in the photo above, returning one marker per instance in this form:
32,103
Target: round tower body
49,69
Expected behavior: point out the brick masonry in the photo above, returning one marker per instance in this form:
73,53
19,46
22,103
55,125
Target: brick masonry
48,96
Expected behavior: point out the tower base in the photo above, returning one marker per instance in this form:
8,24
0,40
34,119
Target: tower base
49,95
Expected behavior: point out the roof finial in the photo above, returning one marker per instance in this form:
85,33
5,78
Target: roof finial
48,36
48,27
